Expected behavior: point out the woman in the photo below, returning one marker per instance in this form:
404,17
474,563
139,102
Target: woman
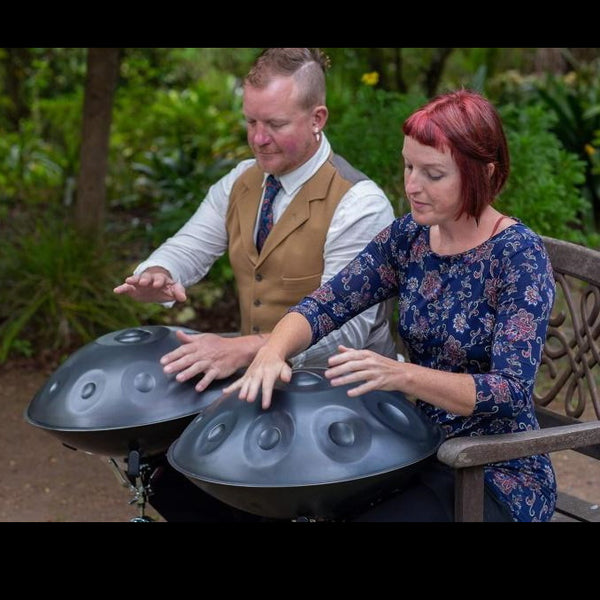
475,290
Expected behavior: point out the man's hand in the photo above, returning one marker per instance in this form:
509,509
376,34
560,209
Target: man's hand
153,285
214,355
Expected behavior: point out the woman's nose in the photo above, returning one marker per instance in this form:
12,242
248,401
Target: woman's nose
411,183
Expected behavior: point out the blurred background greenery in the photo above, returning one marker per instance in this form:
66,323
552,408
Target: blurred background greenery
176,126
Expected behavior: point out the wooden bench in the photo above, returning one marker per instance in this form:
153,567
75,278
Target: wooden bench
566,393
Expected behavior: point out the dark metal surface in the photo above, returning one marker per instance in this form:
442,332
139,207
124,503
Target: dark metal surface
316,452
112,396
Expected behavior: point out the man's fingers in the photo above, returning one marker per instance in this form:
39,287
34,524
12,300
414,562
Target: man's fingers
208,378
267,392
178,292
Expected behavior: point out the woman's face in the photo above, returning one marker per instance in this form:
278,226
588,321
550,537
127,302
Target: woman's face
432,183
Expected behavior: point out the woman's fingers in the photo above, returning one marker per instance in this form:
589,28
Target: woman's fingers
261,381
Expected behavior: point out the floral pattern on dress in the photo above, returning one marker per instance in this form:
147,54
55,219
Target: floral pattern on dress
483,312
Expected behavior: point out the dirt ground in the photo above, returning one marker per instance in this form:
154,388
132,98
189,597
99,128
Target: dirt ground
43,481
40,479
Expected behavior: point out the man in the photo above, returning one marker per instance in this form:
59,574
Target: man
324,213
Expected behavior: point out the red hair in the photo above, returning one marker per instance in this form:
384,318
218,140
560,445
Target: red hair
469,126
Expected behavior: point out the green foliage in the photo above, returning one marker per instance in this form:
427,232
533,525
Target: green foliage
57,290
368,133
179,68
55,72
168,149
58,122
544,187
38,163
31,169
574,100
177,127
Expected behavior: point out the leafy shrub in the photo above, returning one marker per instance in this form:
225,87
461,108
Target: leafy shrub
574,100
368,133
168,147
544,187
167,150
57,290
30,168
172,136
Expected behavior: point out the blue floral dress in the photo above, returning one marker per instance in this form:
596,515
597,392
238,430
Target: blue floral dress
483,312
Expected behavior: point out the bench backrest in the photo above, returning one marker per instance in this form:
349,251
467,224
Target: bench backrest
567,385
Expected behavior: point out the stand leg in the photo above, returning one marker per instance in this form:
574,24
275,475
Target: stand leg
138,482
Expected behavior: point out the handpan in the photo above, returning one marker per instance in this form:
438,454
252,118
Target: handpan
315,453
111,396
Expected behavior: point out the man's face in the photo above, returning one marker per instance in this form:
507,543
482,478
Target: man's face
280,133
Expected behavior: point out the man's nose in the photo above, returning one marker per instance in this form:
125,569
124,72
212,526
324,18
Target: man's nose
260,135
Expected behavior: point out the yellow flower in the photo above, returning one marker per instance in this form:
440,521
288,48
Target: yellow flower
590,149
370,78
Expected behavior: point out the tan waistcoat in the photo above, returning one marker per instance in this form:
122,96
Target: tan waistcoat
291,263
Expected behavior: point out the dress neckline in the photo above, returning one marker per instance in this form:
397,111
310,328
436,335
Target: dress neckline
464,253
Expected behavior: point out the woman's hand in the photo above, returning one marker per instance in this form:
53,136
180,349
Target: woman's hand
291,335
267,367
209,353
153,285
372,370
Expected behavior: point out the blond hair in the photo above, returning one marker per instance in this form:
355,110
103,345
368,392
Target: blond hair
307,65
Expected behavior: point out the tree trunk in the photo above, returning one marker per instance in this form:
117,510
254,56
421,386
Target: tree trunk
399,74
433,74
101,81
18,61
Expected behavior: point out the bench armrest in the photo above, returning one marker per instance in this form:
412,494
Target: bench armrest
468,455
462,452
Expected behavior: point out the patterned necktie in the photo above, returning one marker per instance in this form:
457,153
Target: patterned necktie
265,224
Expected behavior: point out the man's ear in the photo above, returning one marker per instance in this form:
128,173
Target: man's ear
319,118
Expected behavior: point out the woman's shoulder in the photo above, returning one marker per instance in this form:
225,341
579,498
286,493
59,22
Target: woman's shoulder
520,233
519,238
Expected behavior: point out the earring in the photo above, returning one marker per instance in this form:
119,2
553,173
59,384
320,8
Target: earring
317,134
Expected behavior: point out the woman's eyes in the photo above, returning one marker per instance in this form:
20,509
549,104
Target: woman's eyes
433,176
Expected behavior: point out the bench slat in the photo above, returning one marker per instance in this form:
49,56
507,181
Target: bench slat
577,509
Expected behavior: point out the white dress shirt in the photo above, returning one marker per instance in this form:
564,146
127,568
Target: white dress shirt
360,215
